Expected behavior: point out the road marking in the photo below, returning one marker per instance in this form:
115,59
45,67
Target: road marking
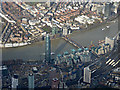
111,62
116,63
108,61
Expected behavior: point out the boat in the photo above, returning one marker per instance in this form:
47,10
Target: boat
103,29
52,53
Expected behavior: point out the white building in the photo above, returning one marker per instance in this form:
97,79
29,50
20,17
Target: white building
84,19
69,7
33,22
65,31
110,42
87,75
24,20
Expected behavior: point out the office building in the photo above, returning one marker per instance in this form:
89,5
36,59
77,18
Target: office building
31,81
108,7
15,81
48,49
87,75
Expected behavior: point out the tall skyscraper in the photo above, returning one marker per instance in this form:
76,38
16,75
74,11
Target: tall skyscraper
48,49
31,81
15,81
87,75
108,7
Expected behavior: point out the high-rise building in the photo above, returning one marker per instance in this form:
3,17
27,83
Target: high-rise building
87,75
108,7
48,49
31,81
15,81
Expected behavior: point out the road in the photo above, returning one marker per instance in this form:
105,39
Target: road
109,62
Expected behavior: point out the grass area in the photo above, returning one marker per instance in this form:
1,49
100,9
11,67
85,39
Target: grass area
47,29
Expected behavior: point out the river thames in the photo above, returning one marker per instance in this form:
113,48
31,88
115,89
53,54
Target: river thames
35,51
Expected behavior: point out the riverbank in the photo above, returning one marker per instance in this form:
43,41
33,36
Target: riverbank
35,50
12,45
90,27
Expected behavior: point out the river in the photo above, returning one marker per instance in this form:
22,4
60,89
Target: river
36,50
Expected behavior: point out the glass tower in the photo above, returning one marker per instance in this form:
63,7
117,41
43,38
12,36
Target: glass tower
47,49
31,81
108,7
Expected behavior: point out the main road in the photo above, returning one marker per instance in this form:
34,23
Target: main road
84,38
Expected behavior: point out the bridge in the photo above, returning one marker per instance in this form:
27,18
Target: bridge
74,43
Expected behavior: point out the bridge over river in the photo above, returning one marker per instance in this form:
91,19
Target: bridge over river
74,43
